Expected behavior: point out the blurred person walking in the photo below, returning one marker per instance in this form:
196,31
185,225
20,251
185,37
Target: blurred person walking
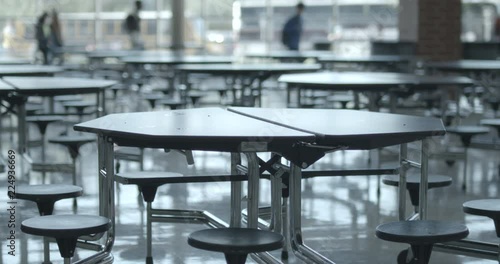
132,26
42,32
293,29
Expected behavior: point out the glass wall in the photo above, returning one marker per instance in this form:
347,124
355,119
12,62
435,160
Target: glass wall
219,26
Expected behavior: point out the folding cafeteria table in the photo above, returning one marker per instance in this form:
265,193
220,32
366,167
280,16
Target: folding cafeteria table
371,82
166,62
29,70
302,136
247,74
289,55
378,62
50,86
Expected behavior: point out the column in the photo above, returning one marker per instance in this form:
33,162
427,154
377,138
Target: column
177,25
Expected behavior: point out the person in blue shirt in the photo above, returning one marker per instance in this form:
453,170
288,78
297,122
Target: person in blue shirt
293,29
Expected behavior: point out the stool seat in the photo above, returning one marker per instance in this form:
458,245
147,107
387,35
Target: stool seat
73,143
467,132
79,105
195,96
152,98
67,98
413,181
60,226
44,118
236,243
413,184
42,121
149,181
494,103
116,88
421,232
421,235
492,123
172,103
156,178
343,99
33,108
65,229
485,207
47,192
307,105
45,195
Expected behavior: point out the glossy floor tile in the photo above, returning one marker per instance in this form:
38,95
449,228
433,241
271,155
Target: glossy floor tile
340,214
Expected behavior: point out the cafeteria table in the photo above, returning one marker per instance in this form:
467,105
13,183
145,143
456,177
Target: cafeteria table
246,74
467,66
166,62
175,59
29,70
372,83
50,87
376,62
8,60
302,136
289,55
484,72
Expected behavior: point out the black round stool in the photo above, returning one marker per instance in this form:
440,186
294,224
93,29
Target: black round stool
148,183
448,116
42,121
68,98
222,91
421,235
79,106
32,109
343,99
413,185
195,96
494,104
152,98
236,243
173,104
45,196
485,207
495,123
73,143
466,133
65,229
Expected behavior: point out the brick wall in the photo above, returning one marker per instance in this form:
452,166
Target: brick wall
439,27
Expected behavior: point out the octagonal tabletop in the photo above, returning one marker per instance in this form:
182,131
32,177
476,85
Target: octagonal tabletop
368,81
198,129
29,70
56,85
176,59
465,65
350,128
249,68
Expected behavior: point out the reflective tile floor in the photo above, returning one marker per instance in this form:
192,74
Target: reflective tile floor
340,214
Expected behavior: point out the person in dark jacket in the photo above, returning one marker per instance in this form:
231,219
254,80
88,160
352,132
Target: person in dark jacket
132,26
42,32
293,29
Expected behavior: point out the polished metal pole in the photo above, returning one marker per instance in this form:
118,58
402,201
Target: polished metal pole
403,155
235,220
